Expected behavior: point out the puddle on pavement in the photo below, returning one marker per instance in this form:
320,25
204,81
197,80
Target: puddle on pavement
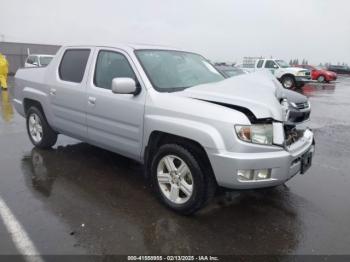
107,193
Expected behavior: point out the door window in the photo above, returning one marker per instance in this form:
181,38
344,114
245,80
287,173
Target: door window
111,65
270,64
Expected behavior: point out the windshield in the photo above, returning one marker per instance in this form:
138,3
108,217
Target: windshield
171,71
45,60
282,63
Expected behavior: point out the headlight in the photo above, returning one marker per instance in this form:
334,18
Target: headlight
257,134
301,73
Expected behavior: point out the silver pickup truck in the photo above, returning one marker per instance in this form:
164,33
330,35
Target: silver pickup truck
172,110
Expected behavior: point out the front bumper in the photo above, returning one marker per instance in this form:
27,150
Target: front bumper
284,164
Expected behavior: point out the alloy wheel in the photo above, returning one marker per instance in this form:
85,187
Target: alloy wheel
35,128
175,179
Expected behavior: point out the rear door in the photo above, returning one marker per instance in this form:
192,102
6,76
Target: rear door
115,121
68,92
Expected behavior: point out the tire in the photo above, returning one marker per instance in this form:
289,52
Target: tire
321,79
39,131
288,82
202,185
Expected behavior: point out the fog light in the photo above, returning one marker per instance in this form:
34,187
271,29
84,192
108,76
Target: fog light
247,174
262,174
251,174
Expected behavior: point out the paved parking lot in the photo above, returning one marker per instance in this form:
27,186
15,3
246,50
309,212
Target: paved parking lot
78,199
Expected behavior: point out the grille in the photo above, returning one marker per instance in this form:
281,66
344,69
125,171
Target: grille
302,105
307,73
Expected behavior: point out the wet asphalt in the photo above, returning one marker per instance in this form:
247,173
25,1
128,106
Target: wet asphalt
79,199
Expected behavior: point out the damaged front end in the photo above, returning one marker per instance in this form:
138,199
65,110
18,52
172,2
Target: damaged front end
292,134
295,113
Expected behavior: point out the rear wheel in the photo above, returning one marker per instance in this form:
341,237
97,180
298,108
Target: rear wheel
179,181
40,133
288,82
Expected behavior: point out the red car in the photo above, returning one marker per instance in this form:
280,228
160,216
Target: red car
320,74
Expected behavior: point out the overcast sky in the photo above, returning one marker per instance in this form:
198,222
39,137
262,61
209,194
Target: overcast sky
318,30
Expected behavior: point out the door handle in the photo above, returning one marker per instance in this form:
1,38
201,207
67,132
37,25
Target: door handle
92,100
52,91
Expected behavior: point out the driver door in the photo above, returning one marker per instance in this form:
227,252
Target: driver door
114,121
271,65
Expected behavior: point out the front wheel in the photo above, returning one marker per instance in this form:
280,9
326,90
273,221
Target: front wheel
288,82
178,179
321,79
40,133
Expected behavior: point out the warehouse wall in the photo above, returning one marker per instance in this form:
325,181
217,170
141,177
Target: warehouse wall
16,53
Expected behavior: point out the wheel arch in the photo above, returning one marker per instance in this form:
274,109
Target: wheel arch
28,102
158,138
287,75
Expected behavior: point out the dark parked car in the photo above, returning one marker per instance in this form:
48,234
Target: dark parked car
339,69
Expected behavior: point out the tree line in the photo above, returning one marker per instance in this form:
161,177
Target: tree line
306,62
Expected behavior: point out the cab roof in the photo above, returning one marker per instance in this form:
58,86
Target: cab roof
129,46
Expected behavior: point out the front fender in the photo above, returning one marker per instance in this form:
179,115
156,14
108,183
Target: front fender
204,134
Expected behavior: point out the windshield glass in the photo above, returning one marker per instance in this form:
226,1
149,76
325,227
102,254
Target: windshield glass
45,60
282,63
171,71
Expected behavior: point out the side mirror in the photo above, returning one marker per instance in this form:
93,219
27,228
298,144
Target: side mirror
36,64
124,85
275,66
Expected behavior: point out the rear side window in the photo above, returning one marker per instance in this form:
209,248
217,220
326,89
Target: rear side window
110,65
260,63
73,65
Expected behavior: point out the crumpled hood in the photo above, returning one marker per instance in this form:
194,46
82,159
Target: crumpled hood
258,92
